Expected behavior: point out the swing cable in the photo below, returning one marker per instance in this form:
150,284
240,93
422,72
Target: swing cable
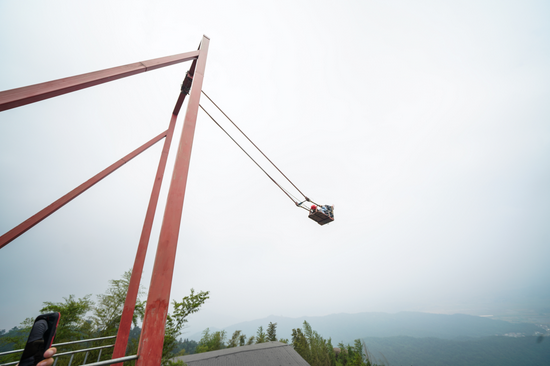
255,162
257,148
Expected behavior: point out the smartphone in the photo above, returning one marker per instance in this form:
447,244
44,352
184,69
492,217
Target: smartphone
40,339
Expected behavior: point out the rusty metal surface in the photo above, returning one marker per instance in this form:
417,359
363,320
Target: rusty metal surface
30,94
158,300
44,213
137,270
152,338
133,287
185,87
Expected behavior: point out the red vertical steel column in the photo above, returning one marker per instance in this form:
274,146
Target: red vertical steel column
158,300
133,287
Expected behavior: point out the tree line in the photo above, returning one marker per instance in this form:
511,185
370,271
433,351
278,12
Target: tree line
313,348
83,318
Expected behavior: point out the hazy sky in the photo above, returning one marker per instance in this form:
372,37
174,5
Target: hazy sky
426,124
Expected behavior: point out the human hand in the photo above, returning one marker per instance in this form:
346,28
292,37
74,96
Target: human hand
48,357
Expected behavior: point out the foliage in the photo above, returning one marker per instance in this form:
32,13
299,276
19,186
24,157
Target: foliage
187,306
186,347
77,324
14,339
272,332
320,352
299,342
211,341
353,355
73,324
107,313
235,339
215,341
176,321
261,337
175,363
318,346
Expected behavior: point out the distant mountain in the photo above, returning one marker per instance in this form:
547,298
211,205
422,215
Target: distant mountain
348,327
486,351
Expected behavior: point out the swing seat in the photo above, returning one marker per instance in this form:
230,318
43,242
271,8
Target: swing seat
320,217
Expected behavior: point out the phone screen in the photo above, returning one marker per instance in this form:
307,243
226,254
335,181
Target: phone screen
40,339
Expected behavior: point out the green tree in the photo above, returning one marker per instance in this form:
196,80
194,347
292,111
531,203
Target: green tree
343,356
108,311
73,324
211,341
331,353
242,340
272,332
317,347
15,339
235,339
76,324
177,320
187,347
261,337
320,352
300,344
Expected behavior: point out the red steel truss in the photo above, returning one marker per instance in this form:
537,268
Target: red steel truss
152,336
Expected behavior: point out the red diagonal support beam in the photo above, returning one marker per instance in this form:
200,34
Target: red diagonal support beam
151,343
29,94
125,325
41,215
158,299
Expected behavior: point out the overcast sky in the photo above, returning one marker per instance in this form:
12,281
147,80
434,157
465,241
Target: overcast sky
426,124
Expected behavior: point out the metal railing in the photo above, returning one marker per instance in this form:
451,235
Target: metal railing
72,353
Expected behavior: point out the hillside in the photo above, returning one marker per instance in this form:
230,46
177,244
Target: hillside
485,351
348,327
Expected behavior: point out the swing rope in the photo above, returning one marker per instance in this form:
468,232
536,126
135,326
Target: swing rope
255,162
306,198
